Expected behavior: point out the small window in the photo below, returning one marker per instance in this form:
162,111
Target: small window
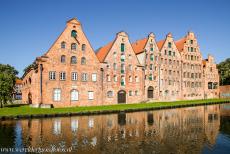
63,59
74,95
90,95
130,93
73,46
108,78
151,57
62,75
83,60
84,77
136,93
191,41
169,44
52,75
122,47
130,79
114,66
115,78
57,95
94,77
74,76
191,49
63,45
83,48
109,94
73,60
74,33
170,53
136,79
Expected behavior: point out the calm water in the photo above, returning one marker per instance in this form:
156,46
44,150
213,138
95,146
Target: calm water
203,129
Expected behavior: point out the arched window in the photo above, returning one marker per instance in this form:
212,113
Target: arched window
122,47
63,59
73,60
109,94
63,45
74,33
73,46
74,95
83,47
83,60
30,80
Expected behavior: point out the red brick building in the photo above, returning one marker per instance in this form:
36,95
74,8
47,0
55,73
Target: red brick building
71,73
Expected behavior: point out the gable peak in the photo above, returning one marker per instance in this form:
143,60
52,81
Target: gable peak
73,21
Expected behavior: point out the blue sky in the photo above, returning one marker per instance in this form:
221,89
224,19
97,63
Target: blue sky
29,27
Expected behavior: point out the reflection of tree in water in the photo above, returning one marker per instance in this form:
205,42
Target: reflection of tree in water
7,134
225,125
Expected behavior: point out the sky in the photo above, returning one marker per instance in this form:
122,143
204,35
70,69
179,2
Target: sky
28,28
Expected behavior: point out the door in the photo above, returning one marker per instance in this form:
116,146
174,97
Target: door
150,92
121,96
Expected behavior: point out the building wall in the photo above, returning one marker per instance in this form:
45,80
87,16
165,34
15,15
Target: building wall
225,91
211,77
167,74
192,80
132,75
170,71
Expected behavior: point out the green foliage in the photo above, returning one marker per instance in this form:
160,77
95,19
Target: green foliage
7,82
224,71
29,67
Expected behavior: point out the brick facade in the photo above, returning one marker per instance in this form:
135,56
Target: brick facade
71,74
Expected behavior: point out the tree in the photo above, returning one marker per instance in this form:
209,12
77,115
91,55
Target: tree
224,71
7,82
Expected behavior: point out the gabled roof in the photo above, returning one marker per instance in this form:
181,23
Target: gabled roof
180,44
103,51
160,44
139,45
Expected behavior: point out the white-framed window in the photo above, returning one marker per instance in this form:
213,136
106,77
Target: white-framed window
115,78
52,75
91,123
84,77
63,45
114,66
136,79
83,47
62,75
73,46
90,95
130,67
57,94
74,95
136,93
108,78
110,94
130,93
74,76
94,77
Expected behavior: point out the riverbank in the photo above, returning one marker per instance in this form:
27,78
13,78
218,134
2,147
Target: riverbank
25,111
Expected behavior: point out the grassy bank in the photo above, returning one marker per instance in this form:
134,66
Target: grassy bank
26,110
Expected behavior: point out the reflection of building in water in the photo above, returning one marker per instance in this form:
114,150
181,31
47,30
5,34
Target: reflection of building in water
177,130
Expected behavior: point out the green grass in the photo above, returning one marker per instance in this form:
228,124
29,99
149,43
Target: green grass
26,110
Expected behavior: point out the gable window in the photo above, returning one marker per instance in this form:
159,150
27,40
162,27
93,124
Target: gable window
136,79
122,57
74,76
122,68
130,78
94,77
115,78
110,94
114,66
151,57
191,41
57,94
74,33
151,47
169,44
130,67
83,47
62,75
83,60
52,75
174,54
151,67
122,81
191,49
108,78
170,53
84,77
73,46
122,47
73,60
74,95
130,93
63,59
90,95
150,77
63,45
